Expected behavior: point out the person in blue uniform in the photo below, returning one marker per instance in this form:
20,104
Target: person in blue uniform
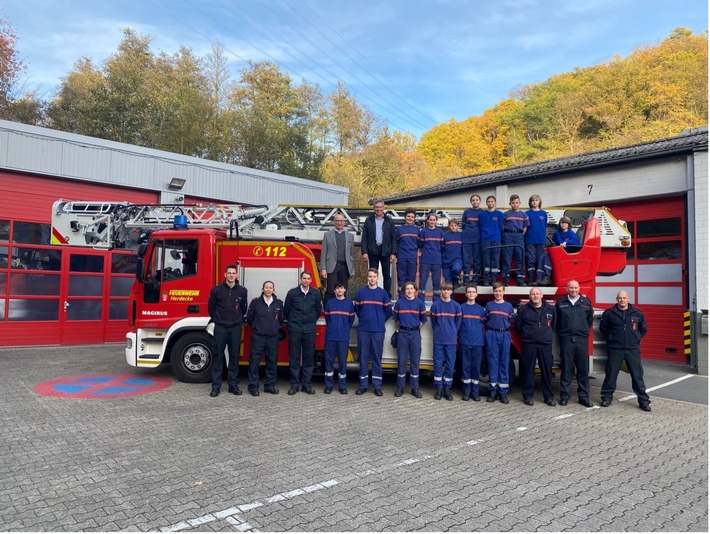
431,240
472,338
407,237
227,306
409,313
373,307
452,254
623,325
563,237
515,225
471,238
499,316
535,322
535,239
302,308
445,321
339,319
575,315
491,225
265,316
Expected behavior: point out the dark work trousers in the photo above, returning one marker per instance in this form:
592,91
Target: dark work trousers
406,272
409,350
574,356
472,261
543,355
471,356
339,350
614,359
231,338
301,346
268,345
338,276
513,249
374,261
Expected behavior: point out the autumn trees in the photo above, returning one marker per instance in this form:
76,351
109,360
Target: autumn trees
266,120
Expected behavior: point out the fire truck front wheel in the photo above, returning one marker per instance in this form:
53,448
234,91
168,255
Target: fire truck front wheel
191,358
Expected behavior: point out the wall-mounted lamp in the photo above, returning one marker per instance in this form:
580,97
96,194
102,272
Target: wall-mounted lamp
176,184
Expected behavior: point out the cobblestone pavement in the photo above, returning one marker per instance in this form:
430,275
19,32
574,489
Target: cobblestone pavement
178,460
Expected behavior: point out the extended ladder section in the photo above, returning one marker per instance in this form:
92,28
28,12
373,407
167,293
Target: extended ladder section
110,225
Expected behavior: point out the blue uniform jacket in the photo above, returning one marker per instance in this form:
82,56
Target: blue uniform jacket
409,313
445,320
407,241
453,248
373,307
491,223
339,319
537,231
499,316
431,241
471,232
474,319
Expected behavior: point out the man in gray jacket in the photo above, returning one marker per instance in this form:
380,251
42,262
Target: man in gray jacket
337,257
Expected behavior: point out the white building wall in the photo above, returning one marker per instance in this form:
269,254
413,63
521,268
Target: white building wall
586,188
701,228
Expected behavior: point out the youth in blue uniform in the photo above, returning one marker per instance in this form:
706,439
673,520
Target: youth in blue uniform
471,338
431,240
471,238
373,307
339,319
410,314
563,237
407,237
515,224
445,321
491,224
452,254
499,316
535,239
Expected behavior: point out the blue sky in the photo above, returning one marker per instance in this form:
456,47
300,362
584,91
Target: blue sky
414,63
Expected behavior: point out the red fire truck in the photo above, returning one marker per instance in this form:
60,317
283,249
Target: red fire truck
183,251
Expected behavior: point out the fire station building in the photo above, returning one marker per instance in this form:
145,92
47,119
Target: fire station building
70,295
660,189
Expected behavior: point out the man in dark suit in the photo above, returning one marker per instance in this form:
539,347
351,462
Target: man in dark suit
379,243
337,257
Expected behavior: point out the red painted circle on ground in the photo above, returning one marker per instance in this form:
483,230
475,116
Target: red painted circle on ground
102,386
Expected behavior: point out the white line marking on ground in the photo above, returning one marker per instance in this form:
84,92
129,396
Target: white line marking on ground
231,515
654,388
473,442
564,416
521,428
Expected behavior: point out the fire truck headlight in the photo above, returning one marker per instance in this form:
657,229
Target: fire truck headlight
129,343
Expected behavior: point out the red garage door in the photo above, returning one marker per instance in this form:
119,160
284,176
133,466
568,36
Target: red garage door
656,276
58,295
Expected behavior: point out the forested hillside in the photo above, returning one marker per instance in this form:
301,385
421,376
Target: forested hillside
266,120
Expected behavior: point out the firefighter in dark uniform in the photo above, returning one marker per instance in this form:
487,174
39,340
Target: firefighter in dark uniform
575,315
535,322
623,326
227,306
265,315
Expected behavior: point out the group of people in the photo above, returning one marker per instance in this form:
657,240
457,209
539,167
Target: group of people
486,243
468,325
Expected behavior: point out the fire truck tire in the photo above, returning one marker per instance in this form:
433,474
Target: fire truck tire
191,358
